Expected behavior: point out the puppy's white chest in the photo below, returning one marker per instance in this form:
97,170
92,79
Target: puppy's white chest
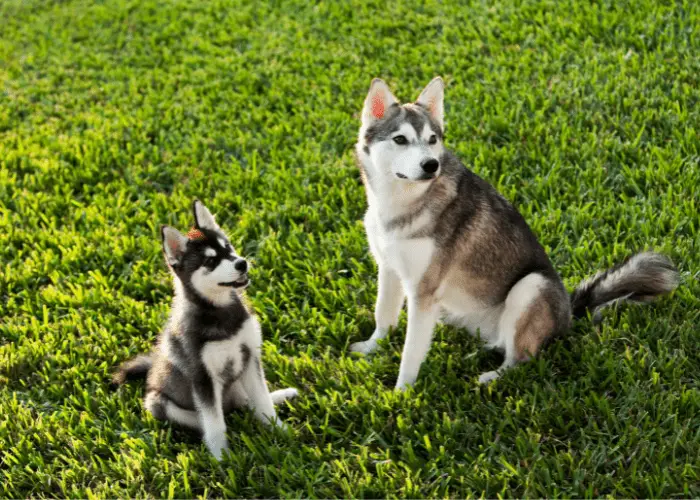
224,359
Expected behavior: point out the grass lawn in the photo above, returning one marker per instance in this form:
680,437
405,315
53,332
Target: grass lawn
115,114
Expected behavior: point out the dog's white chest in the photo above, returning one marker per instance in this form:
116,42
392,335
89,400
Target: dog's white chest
409,258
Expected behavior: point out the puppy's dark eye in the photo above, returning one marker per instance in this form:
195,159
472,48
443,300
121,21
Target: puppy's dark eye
209,261
432,140
400,140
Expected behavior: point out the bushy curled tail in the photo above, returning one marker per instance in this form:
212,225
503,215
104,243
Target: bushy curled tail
640,278
133,369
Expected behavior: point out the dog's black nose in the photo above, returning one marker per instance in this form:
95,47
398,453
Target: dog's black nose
241,265
430,166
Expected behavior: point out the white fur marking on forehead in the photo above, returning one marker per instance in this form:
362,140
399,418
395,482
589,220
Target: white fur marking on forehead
427,133
210,252
222,242
406,130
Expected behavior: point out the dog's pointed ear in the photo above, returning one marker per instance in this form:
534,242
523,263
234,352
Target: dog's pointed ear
203,218
174,244
432,98
378,101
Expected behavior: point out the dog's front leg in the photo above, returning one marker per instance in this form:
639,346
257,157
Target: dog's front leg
390,298
422,316
210,411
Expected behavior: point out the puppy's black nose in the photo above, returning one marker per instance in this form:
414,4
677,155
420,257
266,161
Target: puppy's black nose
430,166
241,265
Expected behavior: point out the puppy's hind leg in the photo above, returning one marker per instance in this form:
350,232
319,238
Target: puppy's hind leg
163,408
527,321
236,397
282,395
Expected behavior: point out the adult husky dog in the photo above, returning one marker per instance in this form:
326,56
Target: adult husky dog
207,359
448,242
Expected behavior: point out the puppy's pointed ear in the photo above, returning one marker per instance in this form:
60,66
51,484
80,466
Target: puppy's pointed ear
203,218
174,244
432,98
378,101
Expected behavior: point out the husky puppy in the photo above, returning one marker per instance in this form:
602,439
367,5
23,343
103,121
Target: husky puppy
207,360
449,243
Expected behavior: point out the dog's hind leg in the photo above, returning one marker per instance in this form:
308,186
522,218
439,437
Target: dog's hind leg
163,408
282,395
528,320
390,297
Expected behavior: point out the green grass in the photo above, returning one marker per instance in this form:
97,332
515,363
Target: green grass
115,114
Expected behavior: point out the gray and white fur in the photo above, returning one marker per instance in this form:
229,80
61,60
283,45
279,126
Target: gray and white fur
207,360
451,246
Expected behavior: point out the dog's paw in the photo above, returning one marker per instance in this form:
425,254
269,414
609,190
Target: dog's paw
488,377
218,450
290,392
364,347
405,382
277,425
283,395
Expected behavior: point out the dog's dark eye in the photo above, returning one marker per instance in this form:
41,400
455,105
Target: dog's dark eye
400,140
432,140
209,261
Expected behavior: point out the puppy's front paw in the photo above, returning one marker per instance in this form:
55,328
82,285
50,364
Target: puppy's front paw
364,347
218,448
277,425
282,427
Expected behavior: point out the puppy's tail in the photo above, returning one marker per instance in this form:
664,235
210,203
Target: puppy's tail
640,278
133,369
